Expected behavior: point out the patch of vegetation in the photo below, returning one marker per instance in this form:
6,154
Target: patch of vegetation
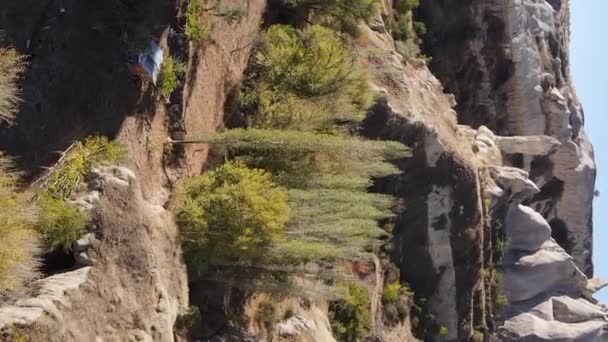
332,214
350,316
197,28
59,223
168,78
79,162
391,292
231,14
340,15
18,246
11,66
405,32
231,214
403,6
308,80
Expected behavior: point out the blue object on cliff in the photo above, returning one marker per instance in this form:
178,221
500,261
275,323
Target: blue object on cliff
148,62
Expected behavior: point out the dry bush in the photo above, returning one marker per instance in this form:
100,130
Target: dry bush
11,66
18,244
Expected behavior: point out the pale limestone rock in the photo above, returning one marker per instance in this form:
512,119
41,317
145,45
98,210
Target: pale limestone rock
50,299
527,229
538,145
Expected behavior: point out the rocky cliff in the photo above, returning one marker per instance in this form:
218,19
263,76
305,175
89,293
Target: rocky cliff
493,224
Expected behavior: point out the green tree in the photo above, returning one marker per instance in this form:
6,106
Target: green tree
231,214
340,15
309,79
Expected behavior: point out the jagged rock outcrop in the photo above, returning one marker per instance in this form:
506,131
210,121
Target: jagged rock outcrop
507,64
136,287
438,236
549,297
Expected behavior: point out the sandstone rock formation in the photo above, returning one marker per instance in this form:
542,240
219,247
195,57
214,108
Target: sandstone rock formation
136,287
512,75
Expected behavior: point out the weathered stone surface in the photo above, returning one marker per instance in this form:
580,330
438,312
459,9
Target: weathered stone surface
51,299
137,286
507,63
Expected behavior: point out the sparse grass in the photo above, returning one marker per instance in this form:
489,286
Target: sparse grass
11,66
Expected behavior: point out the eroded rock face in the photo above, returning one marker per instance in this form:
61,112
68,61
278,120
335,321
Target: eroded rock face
549,297
134,291
507,63
438,237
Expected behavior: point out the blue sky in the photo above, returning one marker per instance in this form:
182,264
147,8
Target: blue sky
588,52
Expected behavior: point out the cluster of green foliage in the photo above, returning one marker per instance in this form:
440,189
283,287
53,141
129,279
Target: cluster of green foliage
231,214
11,66
391,292
17,239
59,223
339,15
350,316
405,32
308,80
197,28
168,78
79,162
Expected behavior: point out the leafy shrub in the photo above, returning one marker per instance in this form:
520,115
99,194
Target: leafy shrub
340,15
350,316
401,29
403,6
196,27
168,77
391,292
18,246
308,80
419,28
59,223
231,214
11,66
79,162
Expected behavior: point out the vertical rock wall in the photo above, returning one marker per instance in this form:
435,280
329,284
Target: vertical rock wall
507,64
